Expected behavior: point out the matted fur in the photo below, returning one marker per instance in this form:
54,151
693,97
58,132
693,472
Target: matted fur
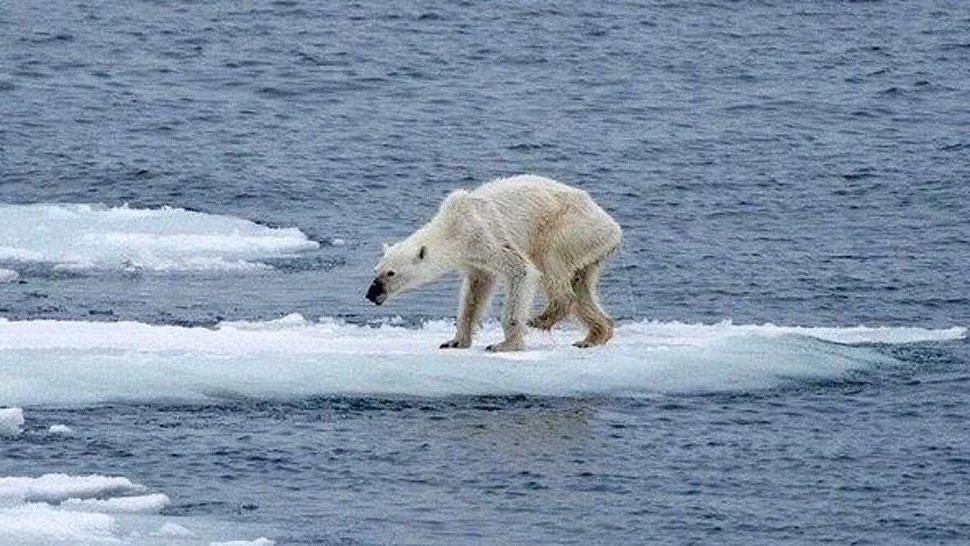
527,231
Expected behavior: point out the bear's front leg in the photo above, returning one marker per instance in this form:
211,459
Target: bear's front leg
476,291
522,279
517,344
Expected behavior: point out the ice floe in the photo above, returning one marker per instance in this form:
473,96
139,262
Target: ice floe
92,509
63,362
93,237
11,419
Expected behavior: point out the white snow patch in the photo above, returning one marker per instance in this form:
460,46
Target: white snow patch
60,487
38,523
174,530
81,236
63,509
11,419
55,362
62,430
141,504
262,541
8,275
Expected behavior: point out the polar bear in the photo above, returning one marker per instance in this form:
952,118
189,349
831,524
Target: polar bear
526,230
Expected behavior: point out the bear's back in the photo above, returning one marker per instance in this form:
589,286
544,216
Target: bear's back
529,196
524,184
525,206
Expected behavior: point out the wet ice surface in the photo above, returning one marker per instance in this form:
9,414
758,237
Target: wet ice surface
329,432
91,509
122,239
66,363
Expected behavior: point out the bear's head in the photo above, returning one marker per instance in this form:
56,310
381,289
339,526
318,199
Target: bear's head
404,265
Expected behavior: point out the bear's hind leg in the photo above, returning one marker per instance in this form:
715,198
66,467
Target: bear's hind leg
559,296
587,308
555,311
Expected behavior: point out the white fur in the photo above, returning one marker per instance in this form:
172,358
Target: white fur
526,230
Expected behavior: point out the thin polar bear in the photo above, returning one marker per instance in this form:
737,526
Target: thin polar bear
526,230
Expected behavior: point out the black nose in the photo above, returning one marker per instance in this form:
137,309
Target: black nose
375,292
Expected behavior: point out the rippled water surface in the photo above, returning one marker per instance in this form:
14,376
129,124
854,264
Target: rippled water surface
200,170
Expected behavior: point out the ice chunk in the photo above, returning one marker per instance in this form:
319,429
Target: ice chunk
38,523
11,419
55,362
62,430
171,529
60,487
261,541
89,510
141,504
78,236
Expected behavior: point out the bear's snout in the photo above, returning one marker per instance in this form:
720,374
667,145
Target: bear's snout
376,293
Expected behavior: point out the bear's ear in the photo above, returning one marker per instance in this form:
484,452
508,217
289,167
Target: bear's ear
423,253
385,246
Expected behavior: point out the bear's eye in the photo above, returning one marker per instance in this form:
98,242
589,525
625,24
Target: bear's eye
391,273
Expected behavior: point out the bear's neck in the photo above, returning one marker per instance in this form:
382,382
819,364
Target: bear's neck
441,243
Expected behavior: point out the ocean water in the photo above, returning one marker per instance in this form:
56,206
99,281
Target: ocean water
193,196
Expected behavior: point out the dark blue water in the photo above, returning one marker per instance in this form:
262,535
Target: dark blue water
802,164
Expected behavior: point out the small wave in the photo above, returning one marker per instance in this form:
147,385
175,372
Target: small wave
68,363
92,237
954,147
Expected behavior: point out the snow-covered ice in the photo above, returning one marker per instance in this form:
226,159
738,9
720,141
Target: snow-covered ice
62,430
81,236
56,488
65,509
262,541
61,362
171,529
141,504
39,523
11,419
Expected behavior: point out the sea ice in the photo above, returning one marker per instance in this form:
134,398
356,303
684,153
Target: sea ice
63,362
80,236
141,504
60,487
11,419
171,529
262,541
62,430
39,523
64,509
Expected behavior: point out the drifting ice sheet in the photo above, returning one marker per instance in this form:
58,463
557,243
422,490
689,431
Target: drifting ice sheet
142,504
60,487
52,362
166,239
63,509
